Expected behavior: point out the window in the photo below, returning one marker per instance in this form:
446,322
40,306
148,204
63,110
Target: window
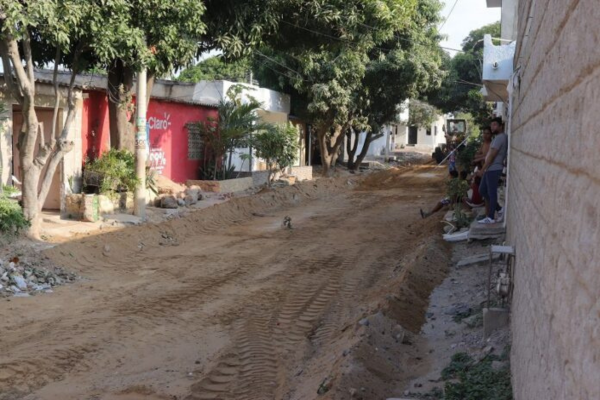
428,132
194,143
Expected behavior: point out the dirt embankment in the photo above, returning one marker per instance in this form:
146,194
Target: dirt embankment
226,303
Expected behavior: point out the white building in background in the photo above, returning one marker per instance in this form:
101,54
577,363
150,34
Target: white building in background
427,138
275,109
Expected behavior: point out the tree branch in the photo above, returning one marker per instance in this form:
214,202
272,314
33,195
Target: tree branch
14,90
56,97
25,85
62,148
28,57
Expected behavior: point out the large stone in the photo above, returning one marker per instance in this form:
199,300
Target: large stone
168,201
19,281
190,200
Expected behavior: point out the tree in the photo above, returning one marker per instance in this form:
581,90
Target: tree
162,34
460,91
421,114
328,56
278,146
236,121
216,68
33,33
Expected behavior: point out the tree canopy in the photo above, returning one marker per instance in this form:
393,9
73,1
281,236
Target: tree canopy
351,63
216,68
459,91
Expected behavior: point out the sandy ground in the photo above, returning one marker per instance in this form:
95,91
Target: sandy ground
226,303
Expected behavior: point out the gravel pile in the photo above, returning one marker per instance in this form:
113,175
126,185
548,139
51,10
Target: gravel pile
22,279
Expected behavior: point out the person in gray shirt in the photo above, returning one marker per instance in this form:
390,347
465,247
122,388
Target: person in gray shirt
492,171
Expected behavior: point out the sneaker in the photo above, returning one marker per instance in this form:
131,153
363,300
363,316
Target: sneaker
487,221
500,215
480,217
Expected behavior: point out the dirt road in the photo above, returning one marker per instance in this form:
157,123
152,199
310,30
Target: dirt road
228,304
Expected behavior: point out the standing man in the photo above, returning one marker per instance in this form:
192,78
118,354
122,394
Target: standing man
492,171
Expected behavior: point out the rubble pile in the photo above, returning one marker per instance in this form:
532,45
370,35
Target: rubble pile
20,278
174,195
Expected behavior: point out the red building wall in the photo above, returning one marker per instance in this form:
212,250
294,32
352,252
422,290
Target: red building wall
95,131
168,135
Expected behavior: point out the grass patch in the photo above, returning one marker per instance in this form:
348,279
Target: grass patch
477,381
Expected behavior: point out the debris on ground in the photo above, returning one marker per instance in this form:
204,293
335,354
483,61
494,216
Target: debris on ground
20,278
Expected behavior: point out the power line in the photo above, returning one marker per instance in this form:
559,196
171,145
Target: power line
448,17
278,63
413,41
367,26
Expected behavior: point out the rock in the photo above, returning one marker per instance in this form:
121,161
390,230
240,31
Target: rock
190,200
180,202
459,308
485,352
498,365
194,193
324,386
19,281
364,322
168,202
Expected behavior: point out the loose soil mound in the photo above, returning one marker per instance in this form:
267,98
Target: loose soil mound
419,177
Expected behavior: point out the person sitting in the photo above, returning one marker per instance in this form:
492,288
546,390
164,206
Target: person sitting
475,200
446,201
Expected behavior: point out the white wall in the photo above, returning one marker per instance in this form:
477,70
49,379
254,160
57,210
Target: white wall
425,141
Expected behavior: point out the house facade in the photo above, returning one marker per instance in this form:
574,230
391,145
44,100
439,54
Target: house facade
553,217
172,150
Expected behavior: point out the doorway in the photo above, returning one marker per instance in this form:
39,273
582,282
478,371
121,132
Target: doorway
45,117
412,135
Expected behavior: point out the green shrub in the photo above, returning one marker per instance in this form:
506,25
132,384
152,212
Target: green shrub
477,381
9,190
12,220
115,170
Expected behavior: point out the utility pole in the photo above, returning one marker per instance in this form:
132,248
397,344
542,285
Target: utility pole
140,146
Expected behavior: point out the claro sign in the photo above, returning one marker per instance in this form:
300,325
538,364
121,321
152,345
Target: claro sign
158,123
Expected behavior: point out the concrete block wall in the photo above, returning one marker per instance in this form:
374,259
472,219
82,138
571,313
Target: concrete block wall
302,173
553,203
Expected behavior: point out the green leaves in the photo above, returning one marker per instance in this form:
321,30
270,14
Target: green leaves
215,68
116,169
277,145
422,114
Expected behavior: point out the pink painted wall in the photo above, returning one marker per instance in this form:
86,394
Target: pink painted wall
168,135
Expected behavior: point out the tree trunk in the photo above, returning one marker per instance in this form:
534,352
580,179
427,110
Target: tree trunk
352,148
119,90
364,150
330,146
30,172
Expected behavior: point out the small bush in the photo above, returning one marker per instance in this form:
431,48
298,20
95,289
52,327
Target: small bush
477,381
116,170
12,220
9,190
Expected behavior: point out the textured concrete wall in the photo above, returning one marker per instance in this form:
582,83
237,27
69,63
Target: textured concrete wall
228,186
302,173
553,210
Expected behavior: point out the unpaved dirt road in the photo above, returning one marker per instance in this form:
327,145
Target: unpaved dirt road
227,304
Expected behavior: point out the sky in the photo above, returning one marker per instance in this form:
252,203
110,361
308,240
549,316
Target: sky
467,16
